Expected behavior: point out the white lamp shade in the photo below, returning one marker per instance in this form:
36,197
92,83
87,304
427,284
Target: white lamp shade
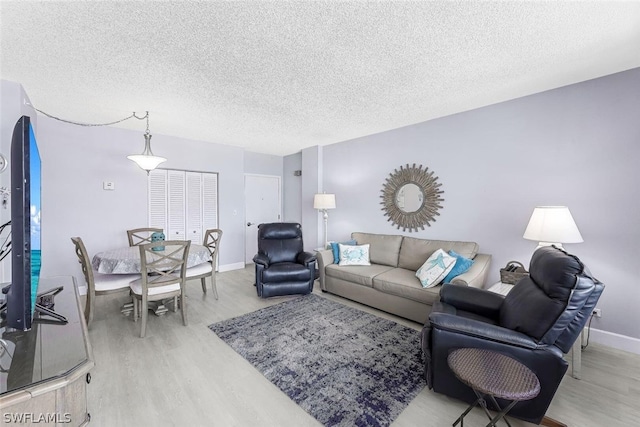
552,224
324,201
146,162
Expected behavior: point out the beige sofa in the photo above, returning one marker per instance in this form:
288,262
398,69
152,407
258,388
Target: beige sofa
390,283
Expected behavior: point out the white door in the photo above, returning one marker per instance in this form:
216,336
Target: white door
262,205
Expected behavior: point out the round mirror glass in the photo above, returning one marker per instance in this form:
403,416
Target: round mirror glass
409,198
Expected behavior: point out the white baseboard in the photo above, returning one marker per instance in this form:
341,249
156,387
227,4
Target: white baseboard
620,342
229,267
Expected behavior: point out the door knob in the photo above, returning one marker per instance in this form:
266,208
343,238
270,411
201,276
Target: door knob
249,224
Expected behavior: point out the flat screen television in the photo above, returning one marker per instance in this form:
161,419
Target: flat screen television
25,226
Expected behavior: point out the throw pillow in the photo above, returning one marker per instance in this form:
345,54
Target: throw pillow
336,250
354,255
435,268
461,266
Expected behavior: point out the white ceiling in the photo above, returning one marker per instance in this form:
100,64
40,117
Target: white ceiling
276,77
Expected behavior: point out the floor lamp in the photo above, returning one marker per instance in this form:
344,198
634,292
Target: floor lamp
323,202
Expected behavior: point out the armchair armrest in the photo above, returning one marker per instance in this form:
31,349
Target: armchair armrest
478,301
306,258
479,329
261,259
477,274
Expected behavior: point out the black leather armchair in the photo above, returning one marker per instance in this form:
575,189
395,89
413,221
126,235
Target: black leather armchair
282,266
535,323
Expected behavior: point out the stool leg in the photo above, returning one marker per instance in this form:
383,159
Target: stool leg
461,417
502,413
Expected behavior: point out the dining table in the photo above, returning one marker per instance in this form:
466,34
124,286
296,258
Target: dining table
126,260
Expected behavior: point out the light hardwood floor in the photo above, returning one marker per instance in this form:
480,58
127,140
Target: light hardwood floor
186,376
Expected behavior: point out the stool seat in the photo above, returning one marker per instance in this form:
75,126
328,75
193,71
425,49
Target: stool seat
493,374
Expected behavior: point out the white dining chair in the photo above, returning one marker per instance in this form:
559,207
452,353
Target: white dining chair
97,283
212,238
163,277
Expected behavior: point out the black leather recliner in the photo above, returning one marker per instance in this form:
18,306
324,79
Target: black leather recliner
535,323
282,266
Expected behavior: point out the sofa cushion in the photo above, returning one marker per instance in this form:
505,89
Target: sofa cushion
383,249
358,274
414,252
405,284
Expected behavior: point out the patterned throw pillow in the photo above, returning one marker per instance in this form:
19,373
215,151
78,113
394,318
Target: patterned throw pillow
435,268
354,255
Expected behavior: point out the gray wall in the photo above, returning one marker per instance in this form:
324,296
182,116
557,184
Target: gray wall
292,188
577,146
262,164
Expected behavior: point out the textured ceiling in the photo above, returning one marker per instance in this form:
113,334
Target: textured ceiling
276,77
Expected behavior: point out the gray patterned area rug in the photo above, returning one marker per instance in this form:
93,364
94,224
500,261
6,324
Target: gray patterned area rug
345,367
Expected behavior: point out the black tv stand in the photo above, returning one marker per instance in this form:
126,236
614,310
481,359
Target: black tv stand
44,307
45,304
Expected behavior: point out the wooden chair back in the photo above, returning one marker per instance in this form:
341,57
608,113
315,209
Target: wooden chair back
140,236
161,268
87,271
212,238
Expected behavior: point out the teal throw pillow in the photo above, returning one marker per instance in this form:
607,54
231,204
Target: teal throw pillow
462,265
336,250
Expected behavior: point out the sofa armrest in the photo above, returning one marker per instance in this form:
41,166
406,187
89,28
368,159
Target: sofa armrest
324,258
477,274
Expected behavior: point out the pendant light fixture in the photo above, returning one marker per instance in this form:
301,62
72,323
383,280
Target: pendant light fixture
147,160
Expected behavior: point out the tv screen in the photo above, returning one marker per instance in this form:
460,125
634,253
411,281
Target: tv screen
25,226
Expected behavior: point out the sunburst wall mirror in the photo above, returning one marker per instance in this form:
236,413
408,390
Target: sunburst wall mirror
411,197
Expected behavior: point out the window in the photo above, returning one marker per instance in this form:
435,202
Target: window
184,204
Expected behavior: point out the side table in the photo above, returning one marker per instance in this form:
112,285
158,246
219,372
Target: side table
493,374
575,355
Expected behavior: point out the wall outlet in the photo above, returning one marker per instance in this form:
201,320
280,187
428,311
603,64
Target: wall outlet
597,312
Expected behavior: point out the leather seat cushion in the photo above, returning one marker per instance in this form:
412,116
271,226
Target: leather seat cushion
286,272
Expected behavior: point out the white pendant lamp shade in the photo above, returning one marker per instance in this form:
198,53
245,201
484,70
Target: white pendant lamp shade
552,225
147,160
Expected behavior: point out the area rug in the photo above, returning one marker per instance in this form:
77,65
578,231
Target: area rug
345,367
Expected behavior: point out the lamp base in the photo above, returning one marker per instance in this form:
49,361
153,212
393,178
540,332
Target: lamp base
543,244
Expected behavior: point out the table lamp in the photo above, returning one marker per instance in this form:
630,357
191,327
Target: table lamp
323,202
552,225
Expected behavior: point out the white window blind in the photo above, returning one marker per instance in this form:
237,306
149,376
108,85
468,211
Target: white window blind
182,203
